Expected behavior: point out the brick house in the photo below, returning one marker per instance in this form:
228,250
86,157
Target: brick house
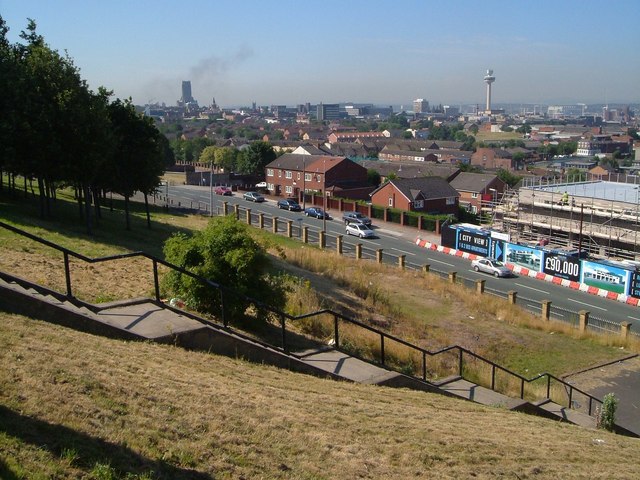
424,194
291,174
494,159
476,189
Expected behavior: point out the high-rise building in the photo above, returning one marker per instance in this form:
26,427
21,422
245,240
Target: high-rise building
420,105
327,111
186,92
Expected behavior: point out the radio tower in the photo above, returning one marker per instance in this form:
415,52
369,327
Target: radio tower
489,79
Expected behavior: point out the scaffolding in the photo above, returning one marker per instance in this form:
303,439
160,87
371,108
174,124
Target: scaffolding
605,227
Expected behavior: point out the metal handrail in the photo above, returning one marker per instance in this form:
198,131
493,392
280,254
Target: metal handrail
284,317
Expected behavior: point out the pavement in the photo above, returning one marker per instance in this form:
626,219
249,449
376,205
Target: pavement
621,378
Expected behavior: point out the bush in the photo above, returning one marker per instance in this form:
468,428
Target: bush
606,417
224,253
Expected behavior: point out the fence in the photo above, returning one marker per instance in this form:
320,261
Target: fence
349,335
359,251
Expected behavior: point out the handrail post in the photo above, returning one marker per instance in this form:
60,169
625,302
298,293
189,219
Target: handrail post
156,283
284,333
590,404
248,213
358,251
224,317
336,333
67,275
424,365
522,388
548,386
493,376
460,361
382,348
570,396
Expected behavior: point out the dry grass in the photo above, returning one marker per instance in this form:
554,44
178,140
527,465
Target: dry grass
71,401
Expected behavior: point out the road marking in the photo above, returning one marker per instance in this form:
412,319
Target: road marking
536,307
440,261
531,288
632,318
586,304
402,251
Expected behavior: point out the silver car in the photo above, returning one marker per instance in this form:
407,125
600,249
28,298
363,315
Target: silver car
492,266
360,230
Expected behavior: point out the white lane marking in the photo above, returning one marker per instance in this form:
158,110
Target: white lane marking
402,251
632,318
531,288
586,304
440,261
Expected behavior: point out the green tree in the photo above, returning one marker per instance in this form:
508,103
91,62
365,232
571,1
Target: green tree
507,177
208,155
254,158
373,177
226,158
224,253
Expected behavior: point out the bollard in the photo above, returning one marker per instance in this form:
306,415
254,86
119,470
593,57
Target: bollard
225,208
249,216
452,277
305,234
546,310
425,268
379,255
512,296
321,242
358,251
274,225
584,320
261,221
236,211
339,244
401,261
624,329
289,228
480,286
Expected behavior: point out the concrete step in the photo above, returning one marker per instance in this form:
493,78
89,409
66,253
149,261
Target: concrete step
568,415
476,393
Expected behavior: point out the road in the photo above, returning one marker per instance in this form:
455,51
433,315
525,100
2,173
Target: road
395,241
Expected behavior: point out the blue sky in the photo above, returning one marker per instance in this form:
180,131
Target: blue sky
384,52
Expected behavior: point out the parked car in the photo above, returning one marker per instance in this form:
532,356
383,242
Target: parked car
360,230
316,212
222,191
253,197
289,204
356,217
492,266
261,185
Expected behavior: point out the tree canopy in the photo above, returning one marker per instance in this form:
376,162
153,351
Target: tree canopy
224,253
54,129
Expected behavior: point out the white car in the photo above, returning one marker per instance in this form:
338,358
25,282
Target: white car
360,230
492,266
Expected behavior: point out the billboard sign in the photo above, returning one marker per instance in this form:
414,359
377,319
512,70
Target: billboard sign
562,266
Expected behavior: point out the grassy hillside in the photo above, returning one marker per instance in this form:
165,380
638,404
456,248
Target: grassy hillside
77,406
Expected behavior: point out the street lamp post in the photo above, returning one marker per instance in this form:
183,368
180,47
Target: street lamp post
211,191
324,194
304,186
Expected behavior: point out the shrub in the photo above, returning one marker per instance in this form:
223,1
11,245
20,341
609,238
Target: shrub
606,417
224,253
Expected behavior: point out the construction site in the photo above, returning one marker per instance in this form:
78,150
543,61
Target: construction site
598,218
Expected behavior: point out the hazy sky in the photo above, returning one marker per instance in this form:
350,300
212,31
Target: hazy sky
379,51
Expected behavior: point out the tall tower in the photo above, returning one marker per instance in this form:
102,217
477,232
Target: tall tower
489,79
186,92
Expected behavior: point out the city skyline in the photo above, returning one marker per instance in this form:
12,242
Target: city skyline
386,53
